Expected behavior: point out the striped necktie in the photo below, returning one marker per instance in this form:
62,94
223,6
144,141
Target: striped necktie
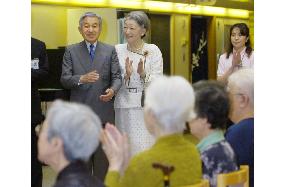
92,52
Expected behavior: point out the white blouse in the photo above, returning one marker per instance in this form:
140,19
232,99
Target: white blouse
129,95
225,63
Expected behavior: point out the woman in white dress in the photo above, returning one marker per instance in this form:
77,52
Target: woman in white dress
140,63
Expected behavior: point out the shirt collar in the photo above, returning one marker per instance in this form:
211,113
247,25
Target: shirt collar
214,137
88,45
72,167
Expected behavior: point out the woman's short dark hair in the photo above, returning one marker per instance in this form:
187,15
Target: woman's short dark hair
244,30
212,103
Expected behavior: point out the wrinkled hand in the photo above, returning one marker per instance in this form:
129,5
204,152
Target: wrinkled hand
126,153
128,67
113,144
236,59
108,96
90,77
140,69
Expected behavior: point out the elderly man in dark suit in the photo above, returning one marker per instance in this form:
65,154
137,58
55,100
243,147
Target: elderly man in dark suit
91,70
39,68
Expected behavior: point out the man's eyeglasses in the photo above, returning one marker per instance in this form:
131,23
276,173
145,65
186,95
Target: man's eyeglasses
237,93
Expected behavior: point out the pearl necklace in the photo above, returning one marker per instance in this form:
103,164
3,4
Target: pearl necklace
137,50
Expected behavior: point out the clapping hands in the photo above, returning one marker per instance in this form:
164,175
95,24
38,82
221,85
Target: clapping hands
128,68
116,148
237,61
140,69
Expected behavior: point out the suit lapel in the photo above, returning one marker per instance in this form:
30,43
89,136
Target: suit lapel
99,57
84,55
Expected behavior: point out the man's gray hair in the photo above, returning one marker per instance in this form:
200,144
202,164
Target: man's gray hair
171,99
243,79
90,14
140,18
77,126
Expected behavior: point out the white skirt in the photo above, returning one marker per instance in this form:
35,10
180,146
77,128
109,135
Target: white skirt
131,121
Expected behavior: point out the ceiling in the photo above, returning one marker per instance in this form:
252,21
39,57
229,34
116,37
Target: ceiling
236,4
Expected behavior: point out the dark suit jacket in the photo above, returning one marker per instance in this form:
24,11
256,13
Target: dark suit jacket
76,174
38,50
77,62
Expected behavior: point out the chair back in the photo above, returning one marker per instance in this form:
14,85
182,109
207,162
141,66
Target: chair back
235,178
203,183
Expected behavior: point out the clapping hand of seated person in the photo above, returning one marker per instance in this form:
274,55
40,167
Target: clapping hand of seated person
236,59
128,68
108,96
140,69
90,77
116,148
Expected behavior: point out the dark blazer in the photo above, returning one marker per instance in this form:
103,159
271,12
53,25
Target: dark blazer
77,62
241,138
76,174
38,50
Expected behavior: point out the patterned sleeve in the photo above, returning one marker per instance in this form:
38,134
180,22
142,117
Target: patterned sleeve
156,64
219,158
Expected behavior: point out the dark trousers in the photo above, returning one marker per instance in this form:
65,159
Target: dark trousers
98,163
36,170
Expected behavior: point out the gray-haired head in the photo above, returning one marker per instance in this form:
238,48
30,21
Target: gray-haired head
140,18
77,126
243,80
212,102
171,99
90,14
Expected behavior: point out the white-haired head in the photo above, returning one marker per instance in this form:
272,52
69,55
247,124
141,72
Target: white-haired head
243,81
171,100
77,126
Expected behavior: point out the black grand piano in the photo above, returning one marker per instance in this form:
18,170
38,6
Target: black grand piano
51,88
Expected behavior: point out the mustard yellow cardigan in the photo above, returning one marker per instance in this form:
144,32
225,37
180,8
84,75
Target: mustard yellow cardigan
170,150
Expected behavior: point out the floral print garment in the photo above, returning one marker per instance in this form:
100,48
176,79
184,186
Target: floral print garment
218,158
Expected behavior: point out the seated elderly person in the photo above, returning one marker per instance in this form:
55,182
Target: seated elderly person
241,134
169,103
212,108
70,134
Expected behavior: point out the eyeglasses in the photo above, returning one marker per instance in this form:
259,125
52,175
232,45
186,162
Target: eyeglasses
231,92
237,93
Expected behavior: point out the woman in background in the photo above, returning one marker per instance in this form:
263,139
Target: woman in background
239,53
140,63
